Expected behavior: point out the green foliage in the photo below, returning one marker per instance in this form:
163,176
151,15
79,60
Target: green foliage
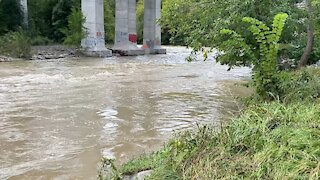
48,17
197,23
40,40
15,44
75,31
262,53
295,34
140,22
294,49
109,20
299,86
109,166
268,141
11,16
142,163
40,18
59,13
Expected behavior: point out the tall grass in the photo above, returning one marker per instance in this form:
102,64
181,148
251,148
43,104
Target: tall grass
269,140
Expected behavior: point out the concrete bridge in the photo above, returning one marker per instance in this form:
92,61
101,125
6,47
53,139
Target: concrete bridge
125,28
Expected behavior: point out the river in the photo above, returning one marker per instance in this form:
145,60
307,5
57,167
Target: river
59,117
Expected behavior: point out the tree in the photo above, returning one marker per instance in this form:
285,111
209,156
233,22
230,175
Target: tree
311,23
75,31
262,52
59,13
197,22
11,16
223,25
109,20
140,20
40,18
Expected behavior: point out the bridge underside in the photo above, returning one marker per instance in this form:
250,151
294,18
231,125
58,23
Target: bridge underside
125,28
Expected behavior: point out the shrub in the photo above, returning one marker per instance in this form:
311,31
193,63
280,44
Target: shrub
75,31
109,20
297,46
299,85
15,44
261,51
40,40
61,10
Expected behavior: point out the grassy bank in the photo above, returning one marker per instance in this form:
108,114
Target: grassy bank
278,139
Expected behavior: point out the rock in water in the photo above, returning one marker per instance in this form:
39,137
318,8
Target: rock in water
138,176
5,59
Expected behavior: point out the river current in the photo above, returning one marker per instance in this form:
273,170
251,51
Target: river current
59,117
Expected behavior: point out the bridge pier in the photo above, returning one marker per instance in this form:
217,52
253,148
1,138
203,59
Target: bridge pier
125,29
24,8
152,30
94,43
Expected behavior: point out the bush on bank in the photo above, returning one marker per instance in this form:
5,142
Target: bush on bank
297,85
269,140
15,44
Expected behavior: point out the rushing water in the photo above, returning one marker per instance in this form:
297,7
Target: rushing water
58,118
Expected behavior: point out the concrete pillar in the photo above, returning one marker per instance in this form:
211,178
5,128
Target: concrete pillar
152,30
24,8
94,43
125,29
132,22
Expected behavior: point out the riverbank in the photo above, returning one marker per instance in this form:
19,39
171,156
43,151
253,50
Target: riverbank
268,140
52,52
46,52
59,117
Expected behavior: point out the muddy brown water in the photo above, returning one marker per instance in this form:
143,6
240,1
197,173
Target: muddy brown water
59,117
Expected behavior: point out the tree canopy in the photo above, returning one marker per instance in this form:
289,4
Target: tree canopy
11,16
197,23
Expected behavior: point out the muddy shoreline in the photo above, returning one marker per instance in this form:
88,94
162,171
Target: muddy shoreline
53,52
46,53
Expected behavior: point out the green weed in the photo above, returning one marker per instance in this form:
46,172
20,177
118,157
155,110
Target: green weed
269,140
15,44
